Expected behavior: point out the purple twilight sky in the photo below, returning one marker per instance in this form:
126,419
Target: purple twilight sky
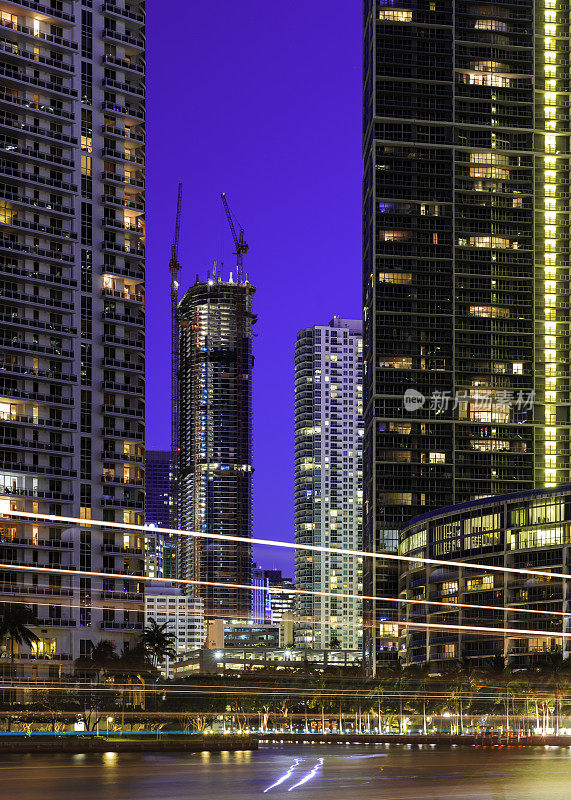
261,100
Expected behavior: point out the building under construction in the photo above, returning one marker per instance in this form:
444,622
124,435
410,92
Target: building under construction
215,440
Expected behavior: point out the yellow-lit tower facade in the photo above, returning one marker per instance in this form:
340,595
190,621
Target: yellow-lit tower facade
552,243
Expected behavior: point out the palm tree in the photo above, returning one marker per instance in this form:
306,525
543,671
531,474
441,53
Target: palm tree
556,668
158,642
14,628
102,660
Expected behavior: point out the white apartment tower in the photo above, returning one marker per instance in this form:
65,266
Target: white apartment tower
328,483
72,160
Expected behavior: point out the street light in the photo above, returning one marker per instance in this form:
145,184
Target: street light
109,719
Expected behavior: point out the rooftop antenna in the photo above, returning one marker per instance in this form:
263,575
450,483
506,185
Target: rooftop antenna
239,242
174,269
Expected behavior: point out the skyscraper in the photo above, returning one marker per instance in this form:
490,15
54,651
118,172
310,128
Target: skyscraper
72,121
159,554
215,470
328,482
466,261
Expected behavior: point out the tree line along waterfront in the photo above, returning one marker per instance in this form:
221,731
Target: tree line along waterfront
127,692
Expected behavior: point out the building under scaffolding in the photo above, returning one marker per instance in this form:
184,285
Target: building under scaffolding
215,434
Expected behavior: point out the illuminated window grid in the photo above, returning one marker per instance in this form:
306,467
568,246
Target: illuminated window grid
550,108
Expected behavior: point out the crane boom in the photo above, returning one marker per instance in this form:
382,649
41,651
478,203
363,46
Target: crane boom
174,268
239,241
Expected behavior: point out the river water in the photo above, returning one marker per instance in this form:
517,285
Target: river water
378,772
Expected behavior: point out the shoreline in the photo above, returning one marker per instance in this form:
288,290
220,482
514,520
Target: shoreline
190,743
472,740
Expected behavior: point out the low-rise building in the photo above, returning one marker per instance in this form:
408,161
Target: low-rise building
251,659
185,618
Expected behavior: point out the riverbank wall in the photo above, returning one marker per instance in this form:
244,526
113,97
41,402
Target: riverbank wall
477,740
190,743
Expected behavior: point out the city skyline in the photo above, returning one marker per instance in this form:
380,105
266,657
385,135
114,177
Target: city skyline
286,223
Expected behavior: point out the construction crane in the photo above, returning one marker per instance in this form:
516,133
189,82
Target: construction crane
239,243
174,269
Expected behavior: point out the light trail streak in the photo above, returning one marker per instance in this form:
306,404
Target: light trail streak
288,545
283,777
307,777
137,605
338,694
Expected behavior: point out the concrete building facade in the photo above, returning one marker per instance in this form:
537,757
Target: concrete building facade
72,324
328,482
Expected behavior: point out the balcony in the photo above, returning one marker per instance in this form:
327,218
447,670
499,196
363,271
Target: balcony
123,225
109,625
129,366
14,50
108,455
28,177
37,494
32,299
136,344
117,502
124,87
114,433
124,388
33,250
36,155
49,591
124,38
125,63
112,200
133,596
29,80
120,551
31,202
34,469
15,319
126,180
54,622
36,130
47,10
49,423
122,411
128,319
57,41
125,111
115,11
129,158
15,343
32,105
45,447
137,252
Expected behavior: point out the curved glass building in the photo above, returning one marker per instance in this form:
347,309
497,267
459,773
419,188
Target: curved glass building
522,530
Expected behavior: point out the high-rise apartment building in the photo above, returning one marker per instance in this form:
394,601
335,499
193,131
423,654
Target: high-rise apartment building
466,144
215,430
328,483
159,555
72,127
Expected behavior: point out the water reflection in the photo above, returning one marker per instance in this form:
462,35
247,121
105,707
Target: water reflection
344,772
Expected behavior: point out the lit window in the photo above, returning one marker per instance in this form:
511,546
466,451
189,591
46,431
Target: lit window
395,15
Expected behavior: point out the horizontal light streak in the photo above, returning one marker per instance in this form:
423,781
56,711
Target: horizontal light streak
307,592
288,545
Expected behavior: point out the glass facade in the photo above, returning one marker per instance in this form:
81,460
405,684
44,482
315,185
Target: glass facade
215,470
466,238
528,530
